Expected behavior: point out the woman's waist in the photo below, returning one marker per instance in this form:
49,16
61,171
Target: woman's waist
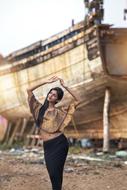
58,141
45,136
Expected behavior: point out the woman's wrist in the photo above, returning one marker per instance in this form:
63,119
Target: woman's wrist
65,86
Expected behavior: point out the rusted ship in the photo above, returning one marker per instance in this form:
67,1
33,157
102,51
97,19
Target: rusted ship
91,59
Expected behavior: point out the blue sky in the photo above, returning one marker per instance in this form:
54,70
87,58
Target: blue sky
23,22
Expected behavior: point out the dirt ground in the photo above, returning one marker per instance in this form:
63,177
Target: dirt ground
24,174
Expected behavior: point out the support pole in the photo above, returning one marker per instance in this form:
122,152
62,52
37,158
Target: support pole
10,142
23,127
8,132
106,121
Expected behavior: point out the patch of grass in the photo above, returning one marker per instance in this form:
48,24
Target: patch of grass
78,150
5,146
75,150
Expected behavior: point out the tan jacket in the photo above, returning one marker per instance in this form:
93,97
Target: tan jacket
53,121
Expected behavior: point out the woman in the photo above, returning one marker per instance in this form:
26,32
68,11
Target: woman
51,122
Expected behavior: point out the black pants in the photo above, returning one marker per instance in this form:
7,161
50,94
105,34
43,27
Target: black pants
55,153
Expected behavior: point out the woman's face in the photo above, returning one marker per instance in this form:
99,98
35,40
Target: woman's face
52,96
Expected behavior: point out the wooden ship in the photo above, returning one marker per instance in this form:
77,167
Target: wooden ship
91,57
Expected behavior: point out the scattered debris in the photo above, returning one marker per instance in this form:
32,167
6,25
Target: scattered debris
121,154
86,143
69,170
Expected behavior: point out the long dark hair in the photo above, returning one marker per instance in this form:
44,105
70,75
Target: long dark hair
44,107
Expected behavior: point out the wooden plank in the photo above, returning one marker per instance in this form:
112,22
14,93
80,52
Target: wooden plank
25,121
27,141
8,132
14,132
34,141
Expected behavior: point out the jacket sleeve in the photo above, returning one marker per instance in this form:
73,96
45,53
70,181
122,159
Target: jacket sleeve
34,105
70,109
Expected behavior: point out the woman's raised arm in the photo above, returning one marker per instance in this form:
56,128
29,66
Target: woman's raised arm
52,79
76,98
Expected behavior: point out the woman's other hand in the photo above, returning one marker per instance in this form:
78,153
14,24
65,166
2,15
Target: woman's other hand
54,79
62,82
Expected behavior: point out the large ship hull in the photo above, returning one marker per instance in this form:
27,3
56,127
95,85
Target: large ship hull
89,60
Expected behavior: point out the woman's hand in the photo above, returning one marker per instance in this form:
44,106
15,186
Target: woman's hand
52,79
62,82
